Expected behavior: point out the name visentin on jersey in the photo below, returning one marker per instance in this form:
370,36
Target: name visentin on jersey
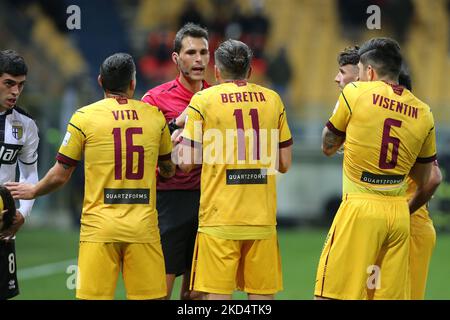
395,106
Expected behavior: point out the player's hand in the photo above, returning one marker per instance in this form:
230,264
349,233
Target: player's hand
24,191
176,137
9,233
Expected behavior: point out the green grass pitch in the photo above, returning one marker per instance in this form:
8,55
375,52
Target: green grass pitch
43,256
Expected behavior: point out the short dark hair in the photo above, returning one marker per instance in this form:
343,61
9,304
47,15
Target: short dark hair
348,56
12,63
384,55
188,30
117,71
233,58
9,205
404,79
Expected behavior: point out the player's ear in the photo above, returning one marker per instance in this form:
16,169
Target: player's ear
249,73
371,74
99,80
175,58
217,74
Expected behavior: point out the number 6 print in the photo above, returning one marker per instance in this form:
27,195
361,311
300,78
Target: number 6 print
388,139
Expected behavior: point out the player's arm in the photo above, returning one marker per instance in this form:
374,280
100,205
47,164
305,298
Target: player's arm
28,174
333,135
188,155
331,142
27,162
56,177
428,178
285,159
191,148
166,168
181,119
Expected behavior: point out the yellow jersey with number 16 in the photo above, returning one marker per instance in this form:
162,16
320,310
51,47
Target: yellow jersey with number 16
121,140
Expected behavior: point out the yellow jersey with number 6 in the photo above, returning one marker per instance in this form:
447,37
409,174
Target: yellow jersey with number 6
387,129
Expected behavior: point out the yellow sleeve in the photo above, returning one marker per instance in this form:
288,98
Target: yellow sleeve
71,149
165,145
428,151
342,111
193,127
283,127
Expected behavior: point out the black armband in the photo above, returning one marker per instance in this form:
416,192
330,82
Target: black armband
173,126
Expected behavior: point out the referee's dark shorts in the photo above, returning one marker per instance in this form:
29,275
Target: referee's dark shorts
178,224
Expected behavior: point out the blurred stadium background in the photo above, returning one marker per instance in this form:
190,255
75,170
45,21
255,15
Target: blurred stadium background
295,43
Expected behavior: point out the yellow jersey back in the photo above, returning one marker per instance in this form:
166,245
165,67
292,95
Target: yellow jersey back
387,129
121,140
240,126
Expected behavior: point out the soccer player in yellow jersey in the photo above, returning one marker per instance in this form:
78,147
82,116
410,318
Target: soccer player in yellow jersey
123,141
241,131
388,134
348,67
423,235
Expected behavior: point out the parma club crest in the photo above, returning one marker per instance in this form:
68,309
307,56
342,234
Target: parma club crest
17,130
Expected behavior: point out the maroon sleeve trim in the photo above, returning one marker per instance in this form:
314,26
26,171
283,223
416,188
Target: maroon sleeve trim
66,160
165,157
286,143
334,130
426,160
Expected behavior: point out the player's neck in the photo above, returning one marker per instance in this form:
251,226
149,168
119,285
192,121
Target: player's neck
116,95
387,80
192,85
4,109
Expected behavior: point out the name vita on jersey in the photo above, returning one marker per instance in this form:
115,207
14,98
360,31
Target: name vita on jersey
125,115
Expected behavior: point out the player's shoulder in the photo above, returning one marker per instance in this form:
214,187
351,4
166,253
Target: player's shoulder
150,110
206,93
418,103
144,106
266,91
22,113
163,88
359,87
23,118
88,108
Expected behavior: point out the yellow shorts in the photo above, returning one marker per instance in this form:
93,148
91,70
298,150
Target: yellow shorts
142,266
423,240
368,232
221,266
